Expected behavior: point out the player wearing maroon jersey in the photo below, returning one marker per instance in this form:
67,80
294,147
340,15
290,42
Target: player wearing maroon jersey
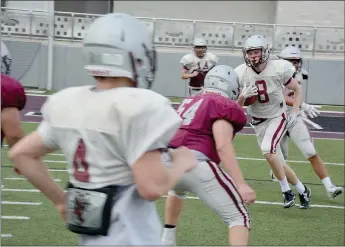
210,122
13,100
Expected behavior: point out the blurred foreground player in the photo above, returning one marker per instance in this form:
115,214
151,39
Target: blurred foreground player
113,135
13,100
210,122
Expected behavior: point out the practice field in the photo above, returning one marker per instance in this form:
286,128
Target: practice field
27,218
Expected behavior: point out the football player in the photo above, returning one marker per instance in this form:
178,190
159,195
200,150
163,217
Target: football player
210,122
6,59
113,135
299,133
13,100
262,81
196,65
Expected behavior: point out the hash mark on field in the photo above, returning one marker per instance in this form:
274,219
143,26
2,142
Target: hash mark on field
14,217
6,235
21,203
56,180
279,203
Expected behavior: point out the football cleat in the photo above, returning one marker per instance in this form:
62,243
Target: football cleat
304,198
289,199
272,177
334,191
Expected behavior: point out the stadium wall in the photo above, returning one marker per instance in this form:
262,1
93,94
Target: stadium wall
324,13
325,84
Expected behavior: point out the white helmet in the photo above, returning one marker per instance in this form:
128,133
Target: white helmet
199,47
223,80
6,59
119,45
292,54
253,43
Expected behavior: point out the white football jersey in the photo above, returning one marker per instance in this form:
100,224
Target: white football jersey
102,133
300,77
270,82
191,62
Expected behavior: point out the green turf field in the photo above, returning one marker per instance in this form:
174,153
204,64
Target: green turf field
29,219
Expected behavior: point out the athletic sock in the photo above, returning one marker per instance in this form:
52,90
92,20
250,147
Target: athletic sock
284,185
327,182
300,187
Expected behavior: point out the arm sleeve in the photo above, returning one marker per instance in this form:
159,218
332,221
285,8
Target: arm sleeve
151,130
185,62
288,72
239,74
231,112
45,129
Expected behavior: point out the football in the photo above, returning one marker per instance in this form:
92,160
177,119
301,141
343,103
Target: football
250,100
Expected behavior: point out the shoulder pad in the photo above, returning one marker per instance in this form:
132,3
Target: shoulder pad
187,59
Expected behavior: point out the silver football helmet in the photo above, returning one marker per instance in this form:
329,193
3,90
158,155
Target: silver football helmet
293,55
253,43
119,45
199,47
6,59
223,80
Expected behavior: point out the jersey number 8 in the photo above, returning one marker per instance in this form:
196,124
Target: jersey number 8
80,166
262,91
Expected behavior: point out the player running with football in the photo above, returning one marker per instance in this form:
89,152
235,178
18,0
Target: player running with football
262,81
113,135
210,122
299,133
196,65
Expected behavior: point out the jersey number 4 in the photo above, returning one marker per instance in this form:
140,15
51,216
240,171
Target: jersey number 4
80,166
189,113
262,91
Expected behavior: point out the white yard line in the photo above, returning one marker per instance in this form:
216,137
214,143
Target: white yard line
315,138
240,158
197,198
56,180
279,203
20,190
21,203
14,217
6,235
292,161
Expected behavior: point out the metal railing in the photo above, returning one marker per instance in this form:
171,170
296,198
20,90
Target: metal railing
178,32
